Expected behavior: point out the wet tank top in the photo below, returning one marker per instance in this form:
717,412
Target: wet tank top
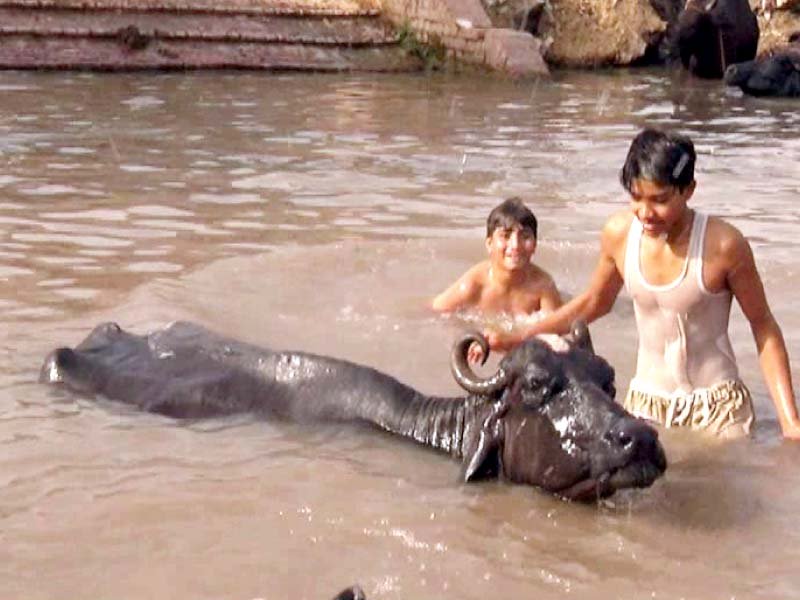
683,328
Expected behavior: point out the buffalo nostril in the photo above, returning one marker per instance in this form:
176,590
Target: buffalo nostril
621,438
635,440
632,435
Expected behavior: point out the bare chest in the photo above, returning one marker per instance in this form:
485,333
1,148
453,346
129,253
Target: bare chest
515,302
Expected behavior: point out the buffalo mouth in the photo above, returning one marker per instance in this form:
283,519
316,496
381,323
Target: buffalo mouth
634,475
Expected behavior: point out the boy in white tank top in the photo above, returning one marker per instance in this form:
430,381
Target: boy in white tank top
682,269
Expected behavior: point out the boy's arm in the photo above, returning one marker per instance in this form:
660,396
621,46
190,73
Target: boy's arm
464,292
747,287
550,299
594,302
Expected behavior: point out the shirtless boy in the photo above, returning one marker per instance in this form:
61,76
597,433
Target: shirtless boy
508,283
682,269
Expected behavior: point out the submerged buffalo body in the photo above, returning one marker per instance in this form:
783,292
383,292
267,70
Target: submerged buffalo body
544,418
776,74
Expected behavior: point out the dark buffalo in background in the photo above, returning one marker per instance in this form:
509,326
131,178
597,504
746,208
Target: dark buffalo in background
776,74
545,418
709,35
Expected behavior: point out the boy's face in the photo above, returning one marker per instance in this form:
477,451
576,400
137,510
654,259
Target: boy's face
511,247
659,208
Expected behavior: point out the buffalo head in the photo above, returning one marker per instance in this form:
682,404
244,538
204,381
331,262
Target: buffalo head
554,423
775,75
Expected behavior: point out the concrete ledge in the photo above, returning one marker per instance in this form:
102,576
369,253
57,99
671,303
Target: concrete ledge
463,28
516,53
275,7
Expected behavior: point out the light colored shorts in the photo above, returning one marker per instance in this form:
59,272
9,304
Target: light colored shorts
724,410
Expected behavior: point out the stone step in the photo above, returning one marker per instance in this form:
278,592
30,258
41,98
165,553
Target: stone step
137,27
263,7
321,35
34,52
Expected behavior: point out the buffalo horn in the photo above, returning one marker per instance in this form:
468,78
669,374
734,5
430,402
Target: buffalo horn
580,335
463,373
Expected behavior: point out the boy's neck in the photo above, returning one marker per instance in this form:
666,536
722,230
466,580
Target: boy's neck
681,229
504,278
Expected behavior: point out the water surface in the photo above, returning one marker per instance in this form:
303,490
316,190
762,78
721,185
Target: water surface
321,213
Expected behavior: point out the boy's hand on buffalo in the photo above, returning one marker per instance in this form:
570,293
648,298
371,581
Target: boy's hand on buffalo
475,354
500,341
791,430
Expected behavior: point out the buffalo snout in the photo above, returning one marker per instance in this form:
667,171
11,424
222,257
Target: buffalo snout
738,73
635,440
633,456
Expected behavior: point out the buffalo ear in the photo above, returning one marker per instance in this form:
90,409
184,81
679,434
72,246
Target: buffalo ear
484,462
483,457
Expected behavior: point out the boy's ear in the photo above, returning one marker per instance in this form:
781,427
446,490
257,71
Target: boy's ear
489,244
690,190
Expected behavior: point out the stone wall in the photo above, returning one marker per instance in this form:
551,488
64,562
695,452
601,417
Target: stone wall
464,30
574,33
594,33
777,20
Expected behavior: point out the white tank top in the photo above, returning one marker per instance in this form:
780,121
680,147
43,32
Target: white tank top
683,328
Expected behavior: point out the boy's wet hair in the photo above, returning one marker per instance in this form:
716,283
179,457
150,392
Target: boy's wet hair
509,213
663,158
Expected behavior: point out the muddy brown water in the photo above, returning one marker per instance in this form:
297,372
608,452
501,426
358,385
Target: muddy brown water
320,213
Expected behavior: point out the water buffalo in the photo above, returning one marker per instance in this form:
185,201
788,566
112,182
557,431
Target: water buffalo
352,593
712,34
544,418
777,74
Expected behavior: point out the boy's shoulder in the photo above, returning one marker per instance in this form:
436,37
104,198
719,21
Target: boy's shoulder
539,276
616,228
465,291
723,237
619,222
480,269
478,274
719,228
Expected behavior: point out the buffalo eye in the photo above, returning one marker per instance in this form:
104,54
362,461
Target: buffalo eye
536,376
541,384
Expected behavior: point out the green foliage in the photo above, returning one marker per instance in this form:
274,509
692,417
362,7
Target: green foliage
432,53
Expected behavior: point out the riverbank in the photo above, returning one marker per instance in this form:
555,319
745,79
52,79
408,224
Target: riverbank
349,35
596,33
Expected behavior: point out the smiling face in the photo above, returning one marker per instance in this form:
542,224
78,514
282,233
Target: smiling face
661,209
511,248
